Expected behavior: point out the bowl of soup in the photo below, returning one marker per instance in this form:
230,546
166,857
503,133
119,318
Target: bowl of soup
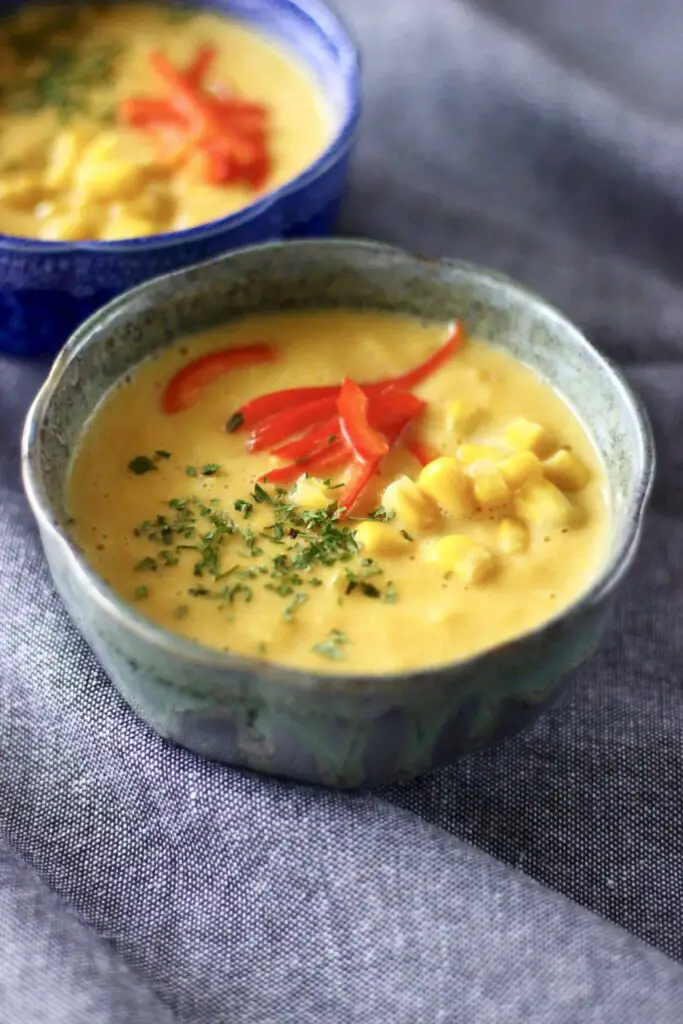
137,138
334,512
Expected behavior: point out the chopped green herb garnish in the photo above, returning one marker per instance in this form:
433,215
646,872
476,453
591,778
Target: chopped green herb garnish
244,506
191,471
391,595
333,647
210,469
141,593
181,612
234,423
261,495
292,608
161,454
404,533
141,464
382,514
146,565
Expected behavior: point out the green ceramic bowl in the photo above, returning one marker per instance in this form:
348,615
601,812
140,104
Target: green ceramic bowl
340,731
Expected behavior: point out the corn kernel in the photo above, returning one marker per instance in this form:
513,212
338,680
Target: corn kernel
567,471
490,486
520,468
105,174
471,562
459,417
543,504
445,481
380,539
513,537
66,150
66,227
469,453
21,190
128,225
412,506
528,436
310,493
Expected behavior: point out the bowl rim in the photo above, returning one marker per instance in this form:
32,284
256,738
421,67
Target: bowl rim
332,26
605,581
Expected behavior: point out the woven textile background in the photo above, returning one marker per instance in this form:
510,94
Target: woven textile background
141,884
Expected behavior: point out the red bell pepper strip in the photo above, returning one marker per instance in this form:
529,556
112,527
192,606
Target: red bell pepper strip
198,69
258,409
366,443
290,422
383,413
310,443
144,112
184,388
365,471
419,373
337,456
423,452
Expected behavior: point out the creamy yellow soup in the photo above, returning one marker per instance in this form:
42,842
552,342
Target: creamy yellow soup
72,167
505,524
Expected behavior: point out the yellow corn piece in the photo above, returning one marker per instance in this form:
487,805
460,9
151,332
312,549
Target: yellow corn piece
520,468
410,503
513,537
445,481
469,453
380,539
128,225
542,504
103,173
66,151
490,486
567,471
528,436
471,562
66,227
310,493
21,190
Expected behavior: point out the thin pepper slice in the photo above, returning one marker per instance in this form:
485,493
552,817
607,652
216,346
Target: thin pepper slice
290,422
310,443
365,471
366,442
184,388
389,407
419,373
337,456
258,409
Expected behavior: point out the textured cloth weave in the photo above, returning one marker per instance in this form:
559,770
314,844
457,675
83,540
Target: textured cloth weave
139,883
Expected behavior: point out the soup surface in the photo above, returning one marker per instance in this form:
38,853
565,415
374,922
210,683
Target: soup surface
486,515
129,120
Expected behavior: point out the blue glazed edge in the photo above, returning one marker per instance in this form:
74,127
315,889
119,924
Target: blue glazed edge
48,288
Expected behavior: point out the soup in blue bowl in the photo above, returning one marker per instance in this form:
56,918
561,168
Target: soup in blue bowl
142,137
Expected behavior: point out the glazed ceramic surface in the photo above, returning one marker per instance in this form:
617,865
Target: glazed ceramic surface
48,288
340,731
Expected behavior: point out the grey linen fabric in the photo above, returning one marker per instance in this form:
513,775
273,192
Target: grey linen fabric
141,884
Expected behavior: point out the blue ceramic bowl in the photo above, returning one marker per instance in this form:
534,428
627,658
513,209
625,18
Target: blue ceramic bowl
342,731
48,288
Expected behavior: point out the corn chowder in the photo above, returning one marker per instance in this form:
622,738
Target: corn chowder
131,120
393,497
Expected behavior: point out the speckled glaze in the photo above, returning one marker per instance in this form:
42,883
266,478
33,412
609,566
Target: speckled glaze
48,288
339,731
